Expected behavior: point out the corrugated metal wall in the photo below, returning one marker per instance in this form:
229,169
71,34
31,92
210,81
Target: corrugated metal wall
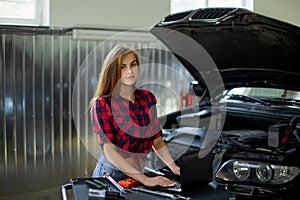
37,70
39,144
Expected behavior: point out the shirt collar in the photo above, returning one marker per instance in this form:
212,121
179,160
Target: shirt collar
119,97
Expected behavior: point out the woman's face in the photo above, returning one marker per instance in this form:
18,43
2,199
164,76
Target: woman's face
129,69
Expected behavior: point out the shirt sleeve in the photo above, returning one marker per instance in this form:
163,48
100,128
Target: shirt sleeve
156,126
102,121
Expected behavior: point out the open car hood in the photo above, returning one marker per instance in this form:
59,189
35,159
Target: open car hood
248,49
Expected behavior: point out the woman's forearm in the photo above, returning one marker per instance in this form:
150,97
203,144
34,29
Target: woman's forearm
163,153
119,162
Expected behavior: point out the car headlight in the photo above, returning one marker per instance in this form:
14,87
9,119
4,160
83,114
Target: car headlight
241,170
256,172
264,172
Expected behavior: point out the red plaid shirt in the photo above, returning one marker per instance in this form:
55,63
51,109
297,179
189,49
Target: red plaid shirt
132,127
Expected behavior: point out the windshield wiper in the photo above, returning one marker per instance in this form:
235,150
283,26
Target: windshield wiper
248,98
285,101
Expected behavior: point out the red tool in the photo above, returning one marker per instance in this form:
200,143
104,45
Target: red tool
128,183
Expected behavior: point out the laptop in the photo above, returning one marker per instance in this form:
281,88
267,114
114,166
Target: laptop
194,171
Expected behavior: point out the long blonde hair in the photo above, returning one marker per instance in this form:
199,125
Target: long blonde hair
111,71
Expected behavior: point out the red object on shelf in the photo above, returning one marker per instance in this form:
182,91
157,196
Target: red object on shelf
128,183
186,100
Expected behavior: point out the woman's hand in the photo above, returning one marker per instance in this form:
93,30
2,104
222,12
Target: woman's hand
158,181
175,169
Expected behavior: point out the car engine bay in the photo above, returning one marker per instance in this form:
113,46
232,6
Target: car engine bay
257,152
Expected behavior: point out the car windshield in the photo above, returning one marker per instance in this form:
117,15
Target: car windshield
266,96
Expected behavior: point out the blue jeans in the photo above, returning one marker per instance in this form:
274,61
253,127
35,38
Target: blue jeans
104,166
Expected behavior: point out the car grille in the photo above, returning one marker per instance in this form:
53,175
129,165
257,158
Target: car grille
204,14
212,13
176,17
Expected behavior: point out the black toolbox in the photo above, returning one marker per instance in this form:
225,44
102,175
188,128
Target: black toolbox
83,190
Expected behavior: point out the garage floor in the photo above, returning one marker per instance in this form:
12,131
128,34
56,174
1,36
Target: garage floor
46,194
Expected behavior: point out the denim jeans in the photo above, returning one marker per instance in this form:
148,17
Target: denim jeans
104,166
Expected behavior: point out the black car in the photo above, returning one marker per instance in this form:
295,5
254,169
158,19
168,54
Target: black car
247,121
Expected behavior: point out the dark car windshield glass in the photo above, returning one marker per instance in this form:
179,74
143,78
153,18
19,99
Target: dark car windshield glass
264,96
266,92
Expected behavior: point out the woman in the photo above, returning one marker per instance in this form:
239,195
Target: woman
124,119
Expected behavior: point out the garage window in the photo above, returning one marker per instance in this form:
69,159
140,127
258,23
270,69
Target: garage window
183,5
24,12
